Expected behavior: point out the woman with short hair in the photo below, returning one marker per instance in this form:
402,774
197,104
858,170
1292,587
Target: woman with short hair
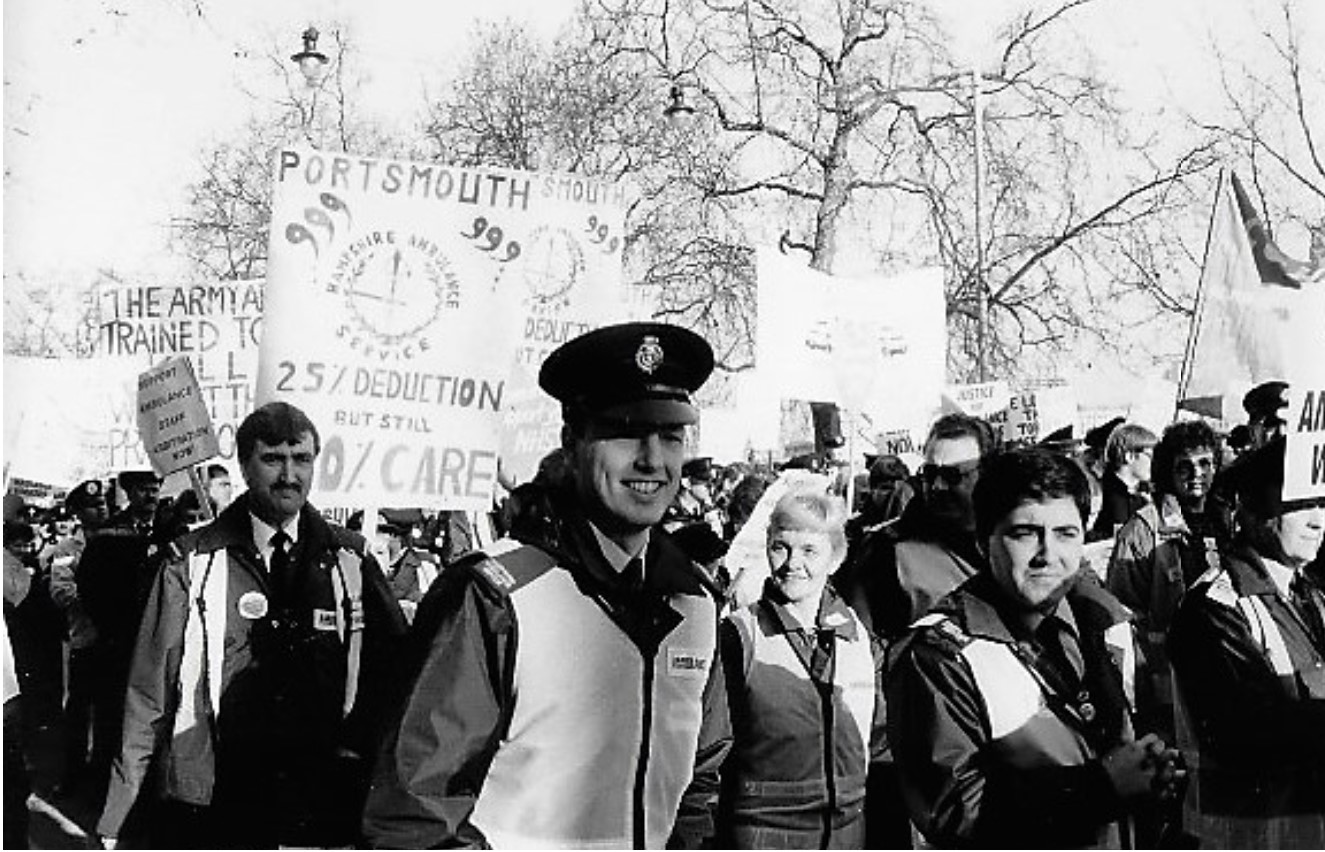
804,684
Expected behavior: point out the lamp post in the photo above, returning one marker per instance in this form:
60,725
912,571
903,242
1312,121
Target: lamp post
312,63
981,291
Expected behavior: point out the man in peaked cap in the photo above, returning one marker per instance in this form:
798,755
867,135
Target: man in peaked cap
568,695
1263,404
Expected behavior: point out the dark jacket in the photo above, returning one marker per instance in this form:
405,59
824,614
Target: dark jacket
1118,505
114,577
978,767
549,705
1257,713
900,570
277,759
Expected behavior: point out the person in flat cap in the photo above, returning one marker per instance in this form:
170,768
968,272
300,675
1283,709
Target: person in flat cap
86,504
1248,653
1263,404
268,650
568,696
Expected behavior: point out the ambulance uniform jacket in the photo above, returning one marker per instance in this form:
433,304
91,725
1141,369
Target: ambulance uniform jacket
1251,679
807,717
553,707
993,754
257,705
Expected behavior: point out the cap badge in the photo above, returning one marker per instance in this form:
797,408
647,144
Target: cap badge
93,488
649,355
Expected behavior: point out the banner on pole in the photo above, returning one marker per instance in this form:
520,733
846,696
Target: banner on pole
876,347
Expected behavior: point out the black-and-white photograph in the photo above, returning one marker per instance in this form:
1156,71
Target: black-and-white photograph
622,424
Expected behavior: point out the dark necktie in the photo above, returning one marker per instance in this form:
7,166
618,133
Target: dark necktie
1049,636
278,566
632,576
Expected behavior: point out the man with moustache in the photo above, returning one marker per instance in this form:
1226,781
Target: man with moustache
567,693
902,569
1008,712
267,649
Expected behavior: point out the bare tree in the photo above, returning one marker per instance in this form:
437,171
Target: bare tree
223,230
46,318
1272,122
834,116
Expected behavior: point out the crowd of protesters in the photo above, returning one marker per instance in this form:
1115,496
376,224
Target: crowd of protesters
935,664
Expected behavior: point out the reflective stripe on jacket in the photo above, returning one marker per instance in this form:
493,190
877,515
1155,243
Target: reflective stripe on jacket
1252,687
550,707
985,757
801,746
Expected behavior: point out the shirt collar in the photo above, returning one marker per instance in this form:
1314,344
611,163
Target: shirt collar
982,617
1280,575
263,531
613,553
834,615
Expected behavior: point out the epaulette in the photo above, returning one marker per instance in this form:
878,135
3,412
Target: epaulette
484,566
948,633
347,539
1221,590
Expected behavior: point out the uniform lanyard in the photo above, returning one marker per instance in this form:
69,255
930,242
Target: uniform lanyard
1079,715
205,662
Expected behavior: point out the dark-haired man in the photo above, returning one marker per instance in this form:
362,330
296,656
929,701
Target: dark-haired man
267,649
899,571
568,694
1008,711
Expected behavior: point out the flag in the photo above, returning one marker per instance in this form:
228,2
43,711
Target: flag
1237,331
1273,266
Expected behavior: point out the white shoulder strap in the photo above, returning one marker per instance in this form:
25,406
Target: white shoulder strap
1267,635
204,625
350,620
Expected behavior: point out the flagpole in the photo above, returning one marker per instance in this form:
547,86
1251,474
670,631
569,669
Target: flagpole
1193,330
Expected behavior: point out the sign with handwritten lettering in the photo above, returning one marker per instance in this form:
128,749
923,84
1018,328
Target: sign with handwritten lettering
173,421
401,298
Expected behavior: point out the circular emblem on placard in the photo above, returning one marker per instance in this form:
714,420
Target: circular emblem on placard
552,264
253,605
649,355
395,288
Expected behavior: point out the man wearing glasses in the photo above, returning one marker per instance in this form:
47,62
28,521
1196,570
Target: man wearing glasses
901,570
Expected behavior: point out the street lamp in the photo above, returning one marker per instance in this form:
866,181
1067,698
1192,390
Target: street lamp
678,112
311,61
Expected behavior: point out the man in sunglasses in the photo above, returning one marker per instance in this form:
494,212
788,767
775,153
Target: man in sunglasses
901,570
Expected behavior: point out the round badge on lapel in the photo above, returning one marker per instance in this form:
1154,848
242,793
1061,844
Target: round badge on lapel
253,605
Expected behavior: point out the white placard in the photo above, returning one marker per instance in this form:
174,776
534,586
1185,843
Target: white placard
173,421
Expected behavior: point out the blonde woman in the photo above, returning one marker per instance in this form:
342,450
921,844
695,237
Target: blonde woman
803,681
